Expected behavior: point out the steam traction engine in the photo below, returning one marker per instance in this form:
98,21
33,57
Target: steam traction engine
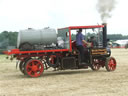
38,50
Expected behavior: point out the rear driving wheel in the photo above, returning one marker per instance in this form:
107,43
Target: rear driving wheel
34,68
110,64
96,65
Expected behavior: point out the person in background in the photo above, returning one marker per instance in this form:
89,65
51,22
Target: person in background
79,44
93,41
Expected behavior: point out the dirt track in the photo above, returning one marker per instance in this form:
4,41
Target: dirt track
66,83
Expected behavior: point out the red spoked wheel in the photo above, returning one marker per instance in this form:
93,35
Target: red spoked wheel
34,68
110,64
53,60
96,65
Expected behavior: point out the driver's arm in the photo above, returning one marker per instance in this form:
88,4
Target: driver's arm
85,42
88,44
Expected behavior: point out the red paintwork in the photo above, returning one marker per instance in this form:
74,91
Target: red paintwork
70,41
83,27
17,51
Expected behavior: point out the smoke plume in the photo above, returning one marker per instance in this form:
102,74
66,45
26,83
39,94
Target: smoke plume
105,8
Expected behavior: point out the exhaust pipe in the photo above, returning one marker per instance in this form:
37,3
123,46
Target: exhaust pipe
105,35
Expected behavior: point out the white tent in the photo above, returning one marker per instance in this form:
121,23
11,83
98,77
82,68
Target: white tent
122,43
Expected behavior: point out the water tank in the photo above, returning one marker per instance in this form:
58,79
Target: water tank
44,36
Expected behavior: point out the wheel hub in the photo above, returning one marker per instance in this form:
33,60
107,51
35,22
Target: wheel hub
34,68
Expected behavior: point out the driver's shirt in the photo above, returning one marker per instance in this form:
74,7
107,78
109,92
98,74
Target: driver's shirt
79,38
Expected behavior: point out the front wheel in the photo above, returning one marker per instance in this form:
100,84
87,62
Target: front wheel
110,64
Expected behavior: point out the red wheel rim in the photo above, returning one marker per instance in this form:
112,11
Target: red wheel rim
112,64
34,68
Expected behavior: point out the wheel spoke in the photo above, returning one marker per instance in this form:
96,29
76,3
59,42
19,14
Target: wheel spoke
36,74
29,66
95,66
33,63
113,64
113,67
39,70
30,72
38,64
110,66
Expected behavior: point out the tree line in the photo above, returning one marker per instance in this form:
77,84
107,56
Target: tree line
8,39
115,37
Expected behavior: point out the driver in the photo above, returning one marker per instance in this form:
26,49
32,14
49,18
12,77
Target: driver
79,44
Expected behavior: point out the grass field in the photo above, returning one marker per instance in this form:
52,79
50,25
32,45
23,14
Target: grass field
66,83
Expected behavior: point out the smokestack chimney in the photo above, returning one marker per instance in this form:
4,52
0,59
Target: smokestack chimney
105,35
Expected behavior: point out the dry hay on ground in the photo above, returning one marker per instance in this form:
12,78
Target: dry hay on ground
66,83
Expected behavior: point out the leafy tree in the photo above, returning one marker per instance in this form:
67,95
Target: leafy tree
8,39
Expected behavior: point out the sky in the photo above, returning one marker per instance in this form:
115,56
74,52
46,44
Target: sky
17,15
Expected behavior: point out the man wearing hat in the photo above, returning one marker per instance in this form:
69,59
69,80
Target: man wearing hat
79,43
